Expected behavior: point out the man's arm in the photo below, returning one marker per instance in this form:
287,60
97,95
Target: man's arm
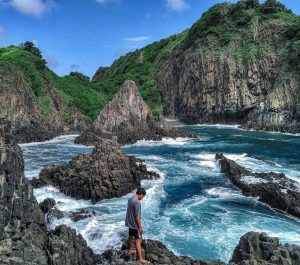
137,219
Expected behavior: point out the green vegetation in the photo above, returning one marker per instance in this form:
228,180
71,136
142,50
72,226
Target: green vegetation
77,90
74,89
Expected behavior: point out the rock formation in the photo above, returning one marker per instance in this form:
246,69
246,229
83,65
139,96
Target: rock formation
259,249
128,117
106,173
23,234
275,189
253,248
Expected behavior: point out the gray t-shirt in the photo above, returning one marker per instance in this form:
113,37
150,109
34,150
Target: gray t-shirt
133,208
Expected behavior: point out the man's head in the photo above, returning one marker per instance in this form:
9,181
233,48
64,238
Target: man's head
140,193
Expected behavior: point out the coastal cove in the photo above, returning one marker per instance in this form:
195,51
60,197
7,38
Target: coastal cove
193,209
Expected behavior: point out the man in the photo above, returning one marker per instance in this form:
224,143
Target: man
133,222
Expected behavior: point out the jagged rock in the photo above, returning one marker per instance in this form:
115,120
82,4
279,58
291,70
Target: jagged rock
67,248
128,117
275,189
106,173
154,251
92,136
23,232
53,214
259,249
47,204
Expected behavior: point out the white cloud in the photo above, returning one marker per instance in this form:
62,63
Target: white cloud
36,43
137,39
35,8
52,62
177,5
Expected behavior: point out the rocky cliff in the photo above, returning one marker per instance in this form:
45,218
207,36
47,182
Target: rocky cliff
40,104
237,64
24,238
234,67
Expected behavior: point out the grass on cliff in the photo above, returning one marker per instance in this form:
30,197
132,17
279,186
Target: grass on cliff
74,89
246,31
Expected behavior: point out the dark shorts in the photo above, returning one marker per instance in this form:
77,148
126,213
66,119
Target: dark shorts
135,233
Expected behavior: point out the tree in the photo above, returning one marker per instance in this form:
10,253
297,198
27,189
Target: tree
30,47
272,6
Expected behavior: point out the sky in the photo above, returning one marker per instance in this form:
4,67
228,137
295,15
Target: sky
81,35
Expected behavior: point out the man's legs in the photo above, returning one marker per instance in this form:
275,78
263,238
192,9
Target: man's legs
129,245
140,258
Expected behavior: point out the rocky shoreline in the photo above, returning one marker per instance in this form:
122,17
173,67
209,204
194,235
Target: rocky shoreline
274,189
24,238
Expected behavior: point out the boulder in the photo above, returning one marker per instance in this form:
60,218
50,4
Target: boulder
260,249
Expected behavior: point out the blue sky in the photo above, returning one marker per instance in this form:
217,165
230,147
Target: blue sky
81,35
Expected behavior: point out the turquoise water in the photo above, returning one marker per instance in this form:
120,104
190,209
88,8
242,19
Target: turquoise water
193,208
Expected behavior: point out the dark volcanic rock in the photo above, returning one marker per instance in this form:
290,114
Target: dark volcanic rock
67,248
128,117
275,189
154,251
213,87
259,249
106,173
23,232
92,136
47,204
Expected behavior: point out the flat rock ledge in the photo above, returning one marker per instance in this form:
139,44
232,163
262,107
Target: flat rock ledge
274,189
106,173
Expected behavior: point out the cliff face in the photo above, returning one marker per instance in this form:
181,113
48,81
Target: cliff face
210,88
20,106
40,104
235,66
24,238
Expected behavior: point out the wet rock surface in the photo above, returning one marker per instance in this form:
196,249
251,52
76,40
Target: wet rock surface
275,189
154,251
24,239
259,249
128,117
106,173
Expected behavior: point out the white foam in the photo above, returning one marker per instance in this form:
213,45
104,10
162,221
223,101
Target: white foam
253,180
60,139
217,125
64,203
164,141
222,192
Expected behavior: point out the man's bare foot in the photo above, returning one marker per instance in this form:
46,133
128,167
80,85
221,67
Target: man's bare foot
144,261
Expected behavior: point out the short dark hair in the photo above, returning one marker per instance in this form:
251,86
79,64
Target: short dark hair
141,191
